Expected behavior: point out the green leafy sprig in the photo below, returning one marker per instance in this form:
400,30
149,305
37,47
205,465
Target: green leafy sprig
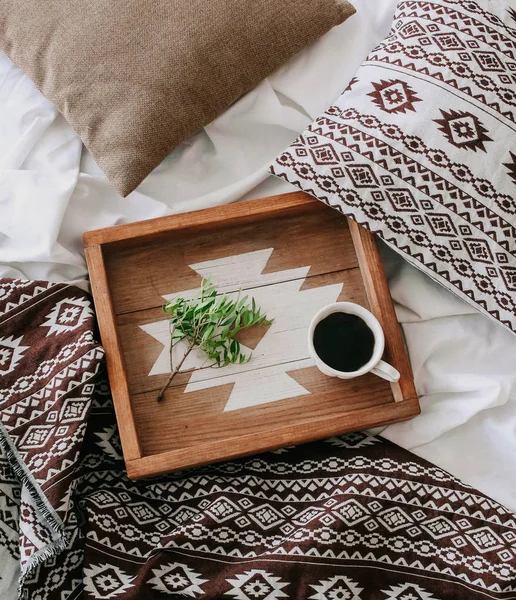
210,322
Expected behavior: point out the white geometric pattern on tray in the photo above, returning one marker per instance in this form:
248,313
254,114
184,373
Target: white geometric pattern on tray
283,347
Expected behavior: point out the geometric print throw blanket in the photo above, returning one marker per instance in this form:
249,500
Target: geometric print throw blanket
350,518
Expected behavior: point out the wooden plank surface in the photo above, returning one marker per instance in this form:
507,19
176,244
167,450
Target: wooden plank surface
294,255
140,277
141,350
141,233
114,358
199,417
377,289
375,416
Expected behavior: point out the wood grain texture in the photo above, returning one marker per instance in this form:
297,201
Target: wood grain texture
380,301
376,416
114,358
229,215
163,268
199,419
289,242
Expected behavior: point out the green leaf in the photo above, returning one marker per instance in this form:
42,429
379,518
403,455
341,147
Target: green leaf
210,321
229,321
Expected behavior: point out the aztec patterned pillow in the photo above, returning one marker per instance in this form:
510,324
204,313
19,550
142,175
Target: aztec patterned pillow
421,147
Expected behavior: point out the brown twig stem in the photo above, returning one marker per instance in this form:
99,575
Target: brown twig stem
173,373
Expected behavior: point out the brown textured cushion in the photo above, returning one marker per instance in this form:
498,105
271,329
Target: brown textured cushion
135,78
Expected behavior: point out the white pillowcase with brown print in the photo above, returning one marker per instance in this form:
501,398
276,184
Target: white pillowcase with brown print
421,147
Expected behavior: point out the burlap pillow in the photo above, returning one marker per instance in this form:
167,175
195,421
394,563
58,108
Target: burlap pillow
420,148
136,78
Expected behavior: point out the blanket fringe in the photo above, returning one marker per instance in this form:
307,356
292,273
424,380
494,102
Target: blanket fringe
55,524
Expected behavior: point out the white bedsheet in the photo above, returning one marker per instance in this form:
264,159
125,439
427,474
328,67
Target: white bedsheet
464,365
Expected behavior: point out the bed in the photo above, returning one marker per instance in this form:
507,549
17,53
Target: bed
51,191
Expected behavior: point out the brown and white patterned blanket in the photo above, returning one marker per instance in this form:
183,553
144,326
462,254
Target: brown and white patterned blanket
350,518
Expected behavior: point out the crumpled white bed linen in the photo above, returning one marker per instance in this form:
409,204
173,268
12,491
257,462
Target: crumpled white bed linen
464,364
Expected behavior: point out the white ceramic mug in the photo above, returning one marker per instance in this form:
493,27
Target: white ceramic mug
375,365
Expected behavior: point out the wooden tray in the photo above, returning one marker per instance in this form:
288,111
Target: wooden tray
294,255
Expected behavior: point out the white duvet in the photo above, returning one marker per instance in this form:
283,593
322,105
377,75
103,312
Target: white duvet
464,364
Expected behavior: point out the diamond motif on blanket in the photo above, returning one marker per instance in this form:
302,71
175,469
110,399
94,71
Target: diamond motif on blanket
105,499
336,588
67,315
408,591
308,514
36,436
222,510
439,527
506,555
458,541
182,514
463,130
351,512
177,579
484,539
106,581
327,520
143,513
256,584
11,352
394,96
509,536
266,516
74,409
395,519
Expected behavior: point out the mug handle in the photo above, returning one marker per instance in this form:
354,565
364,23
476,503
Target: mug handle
385,371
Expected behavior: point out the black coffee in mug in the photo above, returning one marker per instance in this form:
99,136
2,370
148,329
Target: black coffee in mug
344,342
